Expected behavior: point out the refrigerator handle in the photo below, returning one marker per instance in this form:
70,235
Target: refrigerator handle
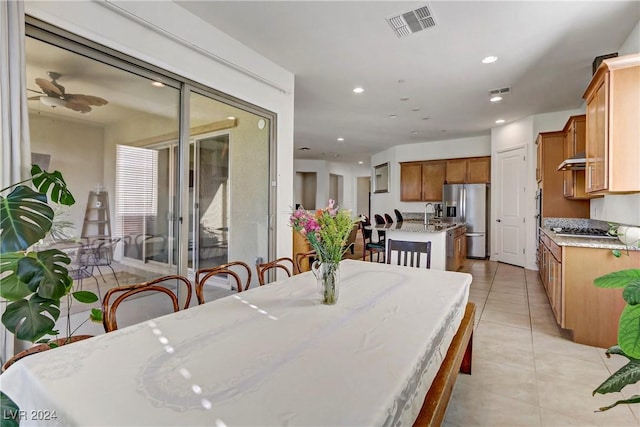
464,205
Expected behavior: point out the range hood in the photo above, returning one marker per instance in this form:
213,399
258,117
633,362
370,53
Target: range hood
574,163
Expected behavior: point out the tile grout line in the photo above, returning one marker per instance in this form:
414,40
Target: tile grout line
533,348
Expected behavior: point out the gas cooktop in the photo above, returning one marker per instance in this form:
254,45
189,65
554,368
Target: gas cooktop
583,232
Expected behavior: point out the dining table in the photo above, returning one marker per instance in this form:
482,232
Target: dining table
273,355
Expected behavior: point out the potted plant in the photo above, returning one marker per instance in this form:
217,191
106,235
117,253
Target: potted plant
628,327
34,282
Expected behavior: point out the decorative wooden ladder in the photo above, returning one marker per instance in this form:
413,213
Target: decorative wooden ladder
97,223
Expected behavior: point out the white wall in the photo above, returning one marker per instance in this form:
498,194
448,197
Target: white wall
323,169
453,148
620,208
76,150
163,34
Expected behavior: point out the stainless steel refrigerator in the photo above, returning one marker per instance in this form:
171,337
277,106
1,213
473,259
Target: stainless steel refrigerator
469,204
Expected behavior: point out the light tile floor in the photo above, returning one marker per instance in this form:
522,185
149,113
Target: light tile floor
525,371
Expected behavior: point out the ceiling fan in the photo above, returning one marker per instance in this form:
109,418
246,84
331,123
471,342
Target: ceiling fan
54,95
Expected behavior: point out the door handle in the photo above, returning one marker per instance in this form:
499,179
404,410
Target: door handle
474,234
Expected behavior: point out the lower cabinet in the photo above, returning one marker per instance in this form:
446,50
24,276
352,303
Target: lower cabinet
551,274
589,313
460,247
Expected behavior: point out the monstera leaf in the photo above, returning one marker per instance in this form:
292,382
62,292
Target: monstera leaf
25,218
10,412
12,287
31,319
45,272
45,181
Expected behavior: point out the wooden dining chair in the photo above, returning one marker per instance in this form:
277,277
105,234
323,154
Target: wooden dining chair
409,252
121,293
368,244
283,263
232,269
304,261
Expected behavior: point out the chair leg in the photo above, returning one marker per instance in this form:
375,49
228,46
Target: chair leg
114,275
97,286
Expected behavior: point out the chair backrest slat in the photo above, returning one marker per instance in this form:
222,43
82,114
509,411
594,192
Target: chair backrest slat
109,308
409,253
283,263
230,269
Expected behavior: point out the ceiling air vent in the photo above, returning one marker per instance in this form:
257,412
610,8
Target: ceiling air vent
501,91
412,21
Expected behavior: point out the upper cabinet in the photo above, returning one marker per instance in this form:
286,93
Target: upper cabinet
423,181
550,149
474,170
613,127
574,143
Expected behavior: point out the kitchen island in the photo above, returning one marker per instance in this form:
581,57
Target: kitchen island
417,231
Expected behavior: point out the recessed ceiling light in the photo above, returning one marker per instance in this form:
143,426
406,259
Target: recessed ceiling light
360,162
393,116
426,118
499,121
415,109
157,84
340,139
358,89
414,132
404,98
304,148
495,98
335,156
489,59
231,118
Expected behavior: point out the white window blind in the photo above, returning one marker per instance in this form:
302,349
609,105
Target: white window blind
136,189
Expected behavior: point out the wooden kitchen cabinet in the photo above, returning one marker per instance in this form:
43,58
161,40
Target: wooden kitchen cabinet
612,126
551,275
422,181
590,313
574,143
554,205
474,170
459,247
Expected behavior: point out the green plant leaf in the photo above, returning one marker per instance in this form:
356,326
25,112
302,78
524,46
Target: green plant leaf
96,315
629,331
31,319
633,399
25,218
45,181
618,279
45,272
12,287
628,374
616,253
86,297
631,293
10,412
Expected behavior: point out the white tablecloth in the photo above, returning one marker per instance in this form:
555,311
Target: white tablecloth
270,356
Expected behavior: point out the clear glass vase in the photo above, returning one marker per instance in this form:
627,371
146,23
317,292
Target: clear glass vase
328,276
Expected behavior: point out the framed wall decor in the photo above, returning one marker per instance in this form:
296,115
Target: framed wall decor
381,178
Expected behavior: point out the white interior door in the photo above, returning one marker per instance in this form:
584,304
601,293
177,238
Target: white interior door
510,226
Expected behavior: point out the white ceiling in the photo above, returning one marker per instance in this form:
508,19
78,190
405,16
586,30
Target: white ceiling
545,52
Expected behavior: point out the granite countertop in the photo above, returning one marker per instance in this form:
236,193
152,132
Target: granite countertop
586,242
417,227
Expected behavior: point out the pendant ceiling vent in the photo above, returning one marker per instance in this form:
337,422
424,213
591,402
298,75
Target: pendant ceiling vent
412,21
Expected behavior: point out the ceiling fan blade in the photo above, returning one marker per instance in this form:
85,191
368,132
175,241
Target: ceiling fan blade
86,99
77,106
35,91
49,88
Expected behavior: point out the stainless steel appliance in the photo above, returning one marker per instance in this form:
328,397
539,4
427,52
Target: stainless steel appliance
469,204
